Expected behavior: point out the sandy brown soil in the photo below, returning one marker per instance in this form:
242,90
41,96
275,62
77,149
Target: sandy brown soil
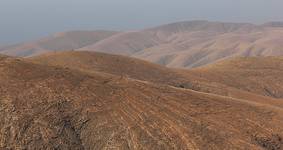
210,81
260,75
47,105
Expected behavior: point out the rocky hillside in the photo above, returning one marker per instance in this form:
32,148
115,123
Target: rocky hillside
47,105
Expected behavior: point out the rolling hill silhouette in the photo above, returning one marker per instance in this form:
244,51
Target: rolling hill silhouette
57,42
186,44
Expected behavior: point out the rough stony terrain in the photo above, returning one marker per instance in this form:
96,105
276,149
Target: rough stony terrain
209,82
260,75
51,105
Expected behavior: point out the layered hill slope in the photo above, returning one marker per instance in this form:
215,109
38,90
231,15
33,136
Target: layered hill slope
133,42
186,44
53,107
112,64
195,43
260,75
190,79
58,42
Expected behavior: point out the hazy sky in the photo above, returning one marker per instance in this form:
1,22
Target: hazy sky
22,20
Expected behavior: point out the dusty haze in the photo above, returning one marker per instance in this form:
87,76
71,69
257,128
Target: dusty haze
30,19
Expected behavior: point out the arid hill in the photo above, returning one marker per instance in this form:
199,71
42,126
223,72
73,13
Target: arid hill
58,42
195,43
112,64
260,75
53,106
122,66
131,43
186,44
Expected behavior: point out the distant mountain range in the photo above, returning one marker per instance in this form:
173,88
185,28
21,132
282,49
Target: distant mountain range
182,45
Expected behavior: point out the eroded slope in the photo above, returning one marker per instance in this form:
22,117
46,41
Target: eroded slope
51,107
260,75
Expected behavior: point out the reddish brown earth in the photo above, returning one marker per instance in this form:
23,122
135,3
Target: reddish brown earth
209,82
83,100
259,75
